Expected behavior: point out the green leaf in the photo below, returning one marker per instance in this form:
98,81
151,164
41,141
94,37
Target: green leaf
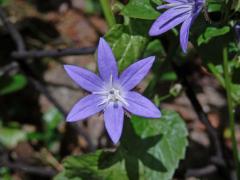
157,2
92,6
150,149
92,166
142,9
212,44
11,84
217,71
168,76
5,174
212,32
214,7
52,119
4,2
157,145
127,48
154,47
10,137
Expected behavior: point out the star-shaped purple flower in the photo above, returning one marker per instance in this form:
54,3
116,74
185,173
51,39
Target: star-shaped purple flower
179,11
110,92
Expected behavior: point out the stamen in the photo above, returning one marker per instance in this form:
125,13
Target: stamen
111,94
102,103
122,100
100,93
111,80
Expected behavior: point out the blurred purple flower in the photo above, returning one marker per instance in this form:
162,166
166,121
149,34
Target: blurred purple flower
237,29
179,11
111,93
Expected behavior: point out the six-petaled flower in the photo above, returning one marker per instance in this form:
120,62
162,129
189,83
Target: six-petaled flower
179,11
110,93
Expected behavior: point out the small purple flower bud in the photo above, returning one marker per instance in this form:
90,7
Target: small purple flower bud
237,30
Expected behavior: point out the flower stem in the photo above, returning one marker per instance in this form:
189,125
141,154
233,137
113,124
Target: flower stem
106,7
228,84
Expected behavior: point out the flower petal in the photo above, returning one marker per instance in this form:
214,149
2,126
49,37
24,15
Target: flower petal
113,118
84,78
170,5
86,107
170,18
135,73
176,1
107,64
184,33
141,106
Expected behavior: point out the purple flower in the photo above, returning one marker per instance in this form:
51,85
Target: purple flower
237,29
179,11
110,92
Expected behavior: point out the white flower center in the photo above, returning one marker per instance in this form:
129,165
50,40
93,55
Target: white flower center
114,95
111,93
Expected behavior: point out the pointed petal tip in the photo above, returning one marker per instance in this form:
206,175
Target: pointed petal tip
157,114
148,60
69,119
152,32
114,138
67,67
151,58
102,40
184,49
115,141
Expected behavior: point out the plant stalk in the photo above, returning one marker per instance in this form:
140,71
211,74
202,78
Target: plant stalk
228,85
106,7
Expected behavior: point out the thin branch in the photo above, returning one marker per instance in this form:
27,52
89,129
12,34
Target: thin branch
7,68
60,85
38,170
21,52
42,89
53,53
205,171
16,36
